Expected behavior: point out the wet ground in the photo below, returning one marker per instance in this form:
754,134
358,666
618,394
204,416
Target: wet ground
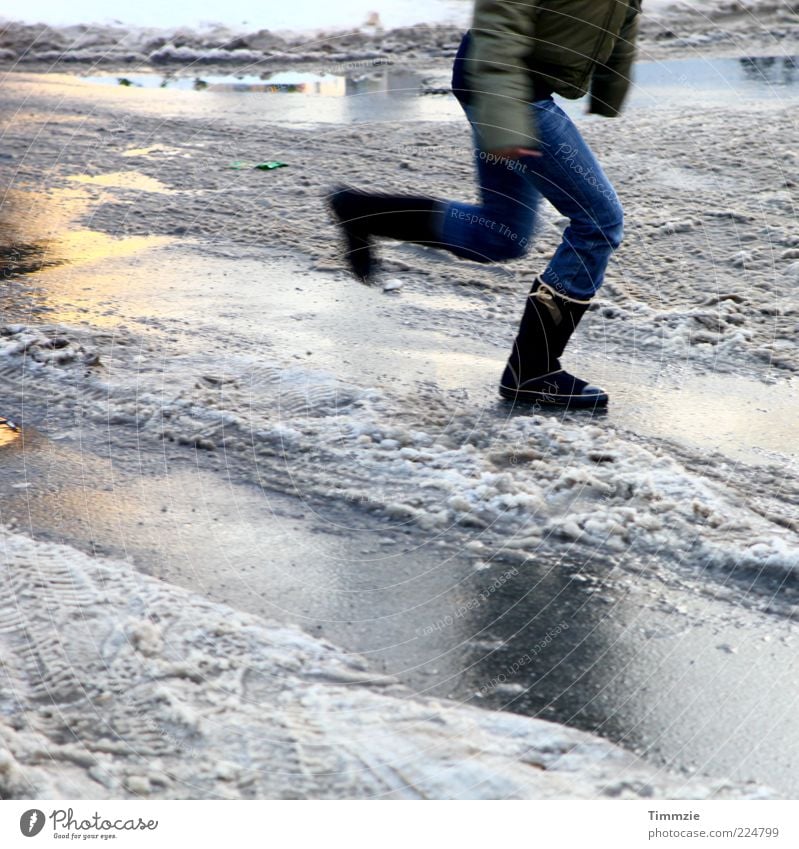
691,666
391,93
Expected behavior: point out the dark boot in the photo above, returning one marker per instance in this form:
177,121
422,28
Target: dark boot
402,217
533,373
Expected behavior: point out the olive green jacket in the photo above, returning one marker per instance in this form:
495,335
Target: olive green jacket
571,46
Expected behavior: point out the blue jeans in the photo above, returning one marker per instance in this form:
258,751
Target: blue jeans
568,175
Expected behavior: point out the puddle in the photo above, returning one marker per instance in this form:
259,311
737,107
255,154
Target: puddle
631,657
84,247
38,231
746,420
720,81
30,222
345,328
288,98
770,75
756,71
17,259
328,85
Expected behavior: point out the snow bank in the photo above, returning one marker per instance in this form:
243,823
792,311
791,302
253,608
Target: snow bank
115,685
693,23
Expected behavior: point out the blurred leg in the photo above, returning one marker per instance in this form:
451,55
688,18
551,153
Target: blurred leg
500,227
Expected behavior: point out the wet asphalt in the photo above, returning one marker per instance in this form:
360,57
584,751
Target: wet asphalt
682,670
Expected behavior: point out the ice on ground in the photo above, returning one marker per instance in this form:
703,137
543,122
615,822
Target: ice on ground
116,685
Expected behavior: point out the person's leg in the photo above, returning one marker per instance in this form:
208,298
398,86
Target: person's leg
533,373
496,230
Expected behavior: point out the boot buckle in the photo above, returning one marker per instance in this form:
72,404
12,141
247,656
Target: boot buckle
546,298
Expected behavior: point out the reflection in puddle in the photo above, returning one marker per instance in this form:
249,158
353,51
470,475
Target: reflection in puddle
148,151
288,82
124,180
26,230
88,246
38,233
734,76
37,218
719,79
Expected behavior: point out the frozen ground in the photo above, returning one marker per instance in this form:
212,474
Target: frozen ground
163,313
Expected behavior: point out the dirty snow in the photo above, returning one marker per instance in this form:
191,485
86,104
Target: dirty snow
342,34
151,691
525,481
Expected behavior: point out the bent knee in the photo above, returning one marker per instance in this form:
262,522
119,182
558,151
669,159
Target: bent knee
488,252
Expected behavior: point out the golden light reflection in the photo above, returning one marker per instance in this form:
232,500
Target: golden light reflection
90,278
47,220
124,180
33,217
